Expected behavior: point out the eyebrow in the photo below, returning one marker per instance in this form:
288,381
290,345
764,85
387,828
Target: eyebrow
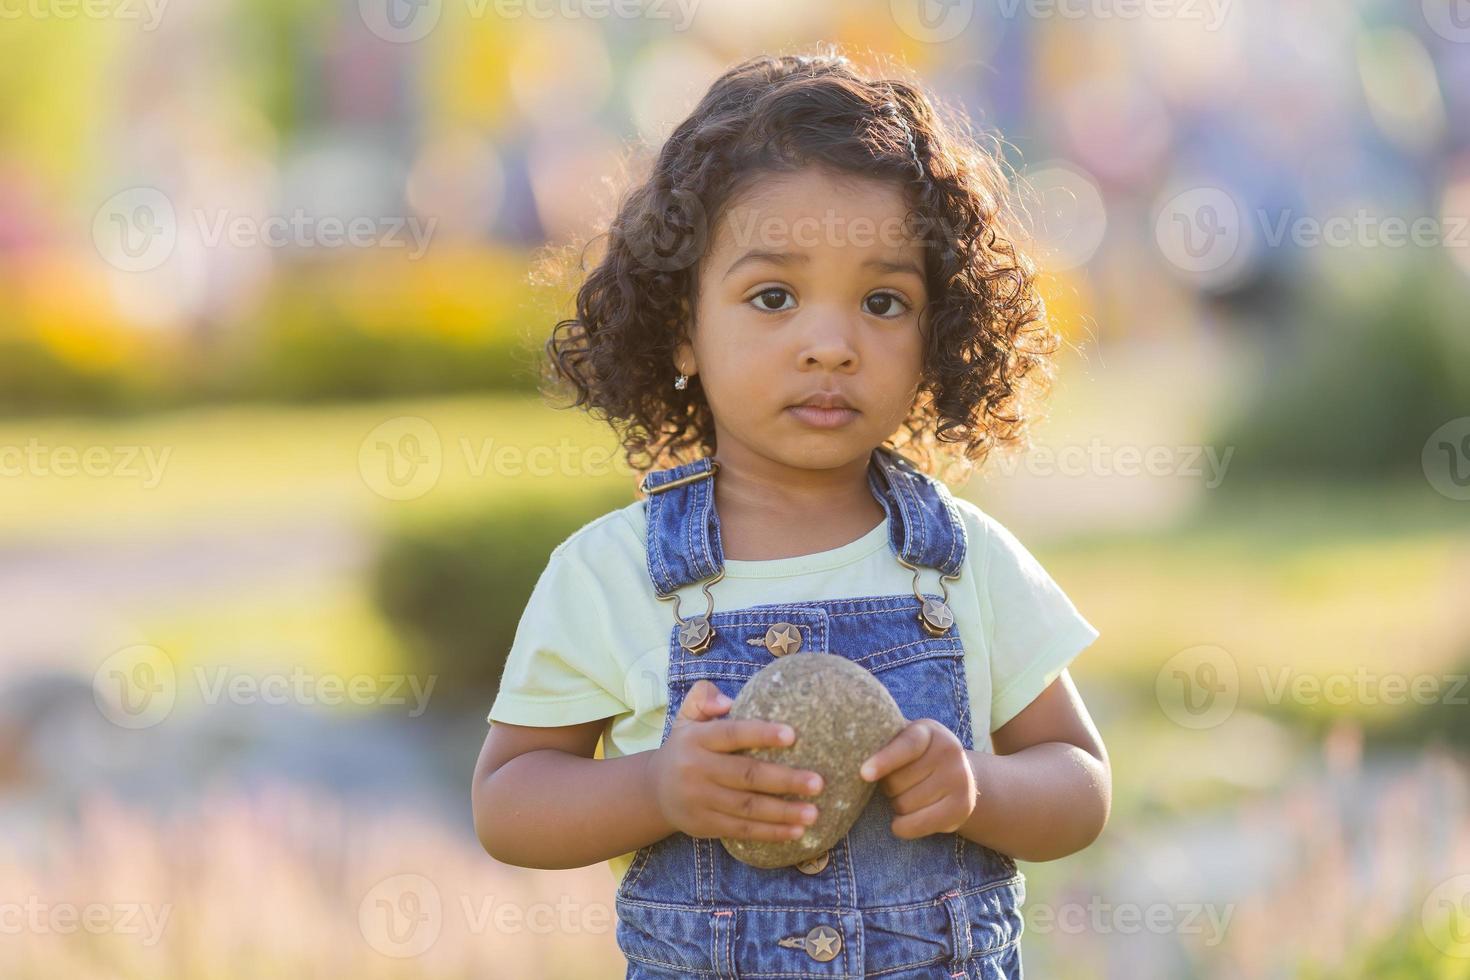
790,258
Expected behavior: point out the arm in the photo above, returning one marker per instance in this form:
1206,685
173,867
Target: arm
542,801
1044,794
1047,790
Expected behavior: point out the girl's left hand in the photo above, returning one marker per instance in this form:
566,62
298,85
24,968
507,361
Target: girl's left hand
925,770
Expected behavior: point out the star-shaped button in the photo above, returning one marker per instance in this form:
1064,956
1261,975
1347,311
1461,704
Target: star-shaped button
937,615
783,638
823,942
695,634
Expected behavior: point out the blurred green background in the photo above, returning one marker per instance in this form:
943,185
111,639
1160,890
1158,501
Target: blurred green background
276,479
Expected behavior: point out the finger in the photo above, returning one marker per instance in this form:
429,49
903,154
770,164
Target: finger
703,702
907,776
754,775
902,749
929,789
932,819
723,825
762,807
734,734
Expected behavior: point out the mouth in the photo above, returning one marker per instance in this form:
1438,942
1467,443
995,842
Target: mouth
824,411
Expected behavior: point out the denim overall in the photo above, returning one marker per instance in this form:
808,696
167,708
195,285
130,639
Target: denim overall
874,904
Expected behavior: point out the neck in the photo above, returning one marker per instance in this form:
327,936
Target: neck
768,509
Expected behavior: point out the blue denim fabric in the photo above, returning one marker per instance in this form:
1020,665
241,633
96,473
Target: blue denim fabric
941,906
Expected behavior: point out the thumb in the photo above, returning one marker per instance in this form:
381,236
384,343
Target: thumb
703,702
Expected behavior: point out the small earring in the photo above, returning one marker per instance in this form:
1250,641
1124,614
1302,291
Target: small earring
681,382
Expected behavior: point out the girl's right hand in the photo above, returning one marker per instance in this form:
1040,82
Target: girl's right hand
704,790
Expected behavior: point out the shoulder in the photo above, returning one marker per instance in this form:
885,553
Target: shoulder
612,544
999,558
980,530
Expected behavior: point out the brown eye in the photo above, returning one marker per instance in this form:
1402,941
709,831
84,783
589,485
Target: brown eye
886,305
766,297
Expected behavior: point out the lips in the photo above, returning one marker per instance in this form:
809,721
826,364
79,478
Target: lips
824,410
824,399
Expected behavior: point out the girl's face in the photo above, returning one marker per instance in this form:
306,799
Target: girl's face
812,286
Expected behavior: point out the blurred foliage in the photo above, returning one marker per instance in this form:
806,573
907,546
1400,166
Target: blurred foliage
455,587
457,319
1408,953
1354,391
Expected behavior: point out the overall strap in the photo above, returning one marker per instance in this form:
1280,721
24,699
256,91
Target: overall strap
683,543
924,525
683,528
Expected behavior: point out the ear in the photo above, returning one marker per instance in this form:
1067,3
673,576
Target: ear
684,361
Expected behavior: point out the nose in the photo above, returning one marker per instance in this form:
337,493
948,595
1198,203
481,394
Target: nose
827,342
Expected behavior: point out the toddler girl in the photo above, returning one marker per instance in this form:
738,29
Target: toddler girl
810,295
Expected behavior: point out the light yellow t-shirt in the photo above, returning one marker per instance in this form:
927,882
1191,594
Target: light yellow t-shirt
593,641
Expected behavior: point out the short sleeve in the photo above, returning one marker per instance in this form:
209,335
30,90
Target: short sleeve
560,669
1035,629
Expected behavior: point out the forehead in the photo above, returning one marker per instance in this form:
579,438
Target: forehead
814,208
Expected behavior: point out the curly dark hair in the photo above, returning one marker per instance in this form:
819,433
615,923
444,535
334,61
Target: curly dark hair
988,346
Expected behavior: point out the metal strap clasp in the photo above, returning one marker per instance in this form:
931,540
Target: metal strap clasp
645,488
